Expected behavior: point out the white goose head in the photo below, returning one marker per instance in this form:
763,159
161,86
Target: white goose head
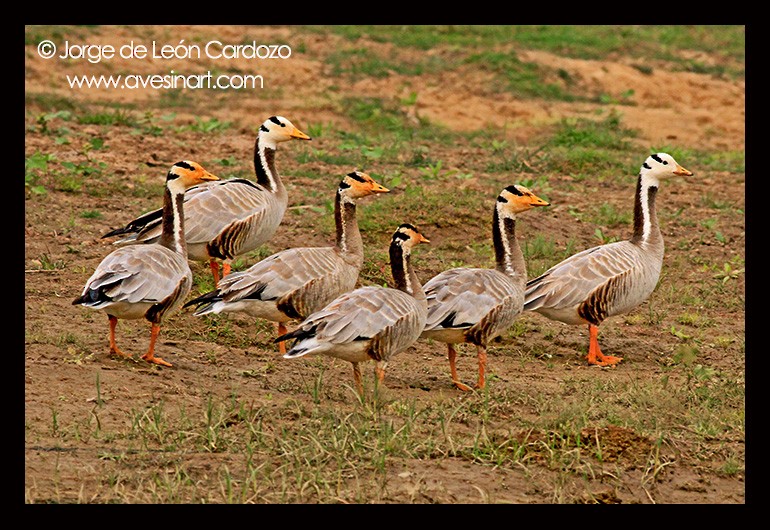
660,166
278,129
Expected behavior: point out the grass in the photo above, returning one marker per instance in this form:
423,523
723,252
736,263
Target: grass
324,455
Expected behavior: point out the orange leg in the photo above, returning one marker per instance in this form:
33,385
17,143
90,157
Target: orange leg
481,354
379,369
225,268
150,355
113,344
282,331
595,355
357,378
214,266
452,356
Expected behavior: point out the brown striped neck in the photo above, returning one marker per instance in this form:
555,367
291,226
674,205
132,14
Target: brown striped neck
172,235
509,258
646,229
349,240
403,273
264,166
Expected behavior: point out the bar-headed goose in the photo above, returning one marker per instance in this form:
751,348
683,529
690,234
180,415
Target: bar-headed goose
295,282
610,279
475,305
148,281
371,323
231,217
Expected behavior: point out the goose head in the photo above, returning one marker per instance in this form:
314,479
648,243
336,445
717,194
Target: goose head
278,129
185,174
407,236
358,184
516,199
660,166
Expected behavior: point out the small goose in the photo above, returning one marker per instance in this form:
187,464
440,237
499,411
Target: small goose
149,281
231,217
475,305
372,322
609,279
295,282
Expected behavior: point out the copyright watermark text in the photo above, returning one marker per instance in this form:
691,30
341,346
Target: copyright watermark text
213,49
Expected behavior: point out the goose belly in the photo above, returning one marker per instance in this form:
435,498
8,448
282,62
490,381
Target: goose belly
568,315
354,352
254,308
197,251
126,310
447,335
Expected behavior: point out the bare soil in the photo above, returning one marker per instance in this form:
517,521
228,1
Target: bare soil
66,350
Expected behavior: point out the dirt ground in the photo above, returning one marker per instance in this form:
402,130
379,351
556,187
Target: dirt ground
64,349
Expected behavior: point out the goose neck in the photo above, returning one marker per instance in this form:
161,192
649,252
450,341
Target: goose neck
403,273
509,258
646,229
264,166
349,240
172,235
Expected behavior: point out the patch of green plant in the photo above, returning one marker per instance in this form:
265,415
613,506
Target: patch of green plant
175,98
607,214
541,253
45,119
608,133
91,214
119,117
72,179
366,62
49,102
35,166
206,125
49,264
327,157
731,161
520,78
388,122
579,41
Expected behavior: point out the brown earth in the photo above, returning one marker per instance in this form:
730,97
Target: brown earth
66,350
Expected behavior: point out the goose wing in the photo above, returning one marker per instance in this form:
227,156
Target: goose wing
302,278
389,319
461,298
221,209
570,282
137,274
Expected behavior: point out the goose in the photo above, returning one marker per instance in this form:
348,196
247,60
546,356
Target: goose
149,281
371,322
610,279
475,305
293,283
231,217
